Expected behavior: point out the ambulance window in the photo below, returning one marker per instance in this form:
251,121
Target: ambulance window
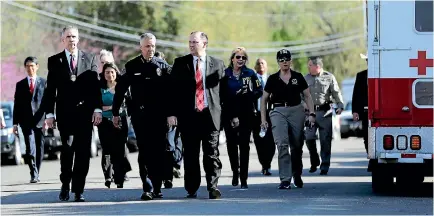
423,16
423,93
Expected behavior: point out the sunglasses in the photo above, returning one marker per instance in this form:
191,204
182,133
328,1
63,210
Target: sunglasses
283,59
241,57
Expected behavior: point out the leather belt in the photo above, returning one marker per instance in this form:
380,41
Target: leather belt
322,107
286,104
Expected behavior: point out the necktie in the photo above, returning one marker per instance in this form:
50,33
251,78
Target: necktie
72,63
32,85
199,88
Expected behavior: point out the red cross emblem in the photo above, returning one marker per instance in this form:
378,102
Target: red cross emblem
421,62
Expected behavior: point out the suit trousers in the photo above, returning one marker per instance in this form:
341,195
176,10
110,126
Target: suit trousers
238,145
75,153
150,129
114,156
287,126
34,140
197,128
324,125
265,146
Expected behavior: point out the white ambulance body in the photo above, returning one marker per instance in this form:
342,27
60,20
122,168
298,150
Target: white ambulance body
400,91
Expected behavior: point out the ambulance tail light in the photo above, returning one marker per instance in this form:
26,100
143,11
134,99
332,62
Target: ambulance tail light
401,142
415,142
388,142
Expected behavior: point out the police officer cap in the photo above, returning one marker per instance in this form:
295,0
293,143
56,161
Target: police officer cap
284,54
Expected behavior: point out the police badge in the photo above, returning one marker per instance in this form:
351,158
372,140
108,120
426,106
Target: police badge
158,71
73,78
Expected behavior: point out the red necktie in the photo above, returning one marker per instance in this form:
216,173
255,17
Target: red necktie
200,104
32,86
72,63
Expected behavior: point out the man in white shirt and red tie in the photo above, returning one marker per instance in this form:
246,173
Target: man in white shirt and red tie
197,112
29,115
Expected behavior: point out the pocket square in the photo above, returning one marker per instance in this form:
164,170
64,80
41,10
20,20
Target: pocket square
137,74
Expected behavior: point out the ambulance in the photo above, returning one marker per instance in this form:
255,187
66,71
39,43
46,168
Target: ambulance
400,91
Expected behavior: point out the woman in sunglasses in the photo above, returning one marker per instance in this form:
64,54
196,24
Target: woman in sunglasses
284,90
240,91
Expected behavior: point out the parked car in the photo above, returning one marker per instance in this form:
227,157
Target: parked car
13,147
348,127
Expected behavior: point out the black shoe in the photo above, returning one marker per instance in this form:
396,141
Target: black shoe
215,194
298,182
285,185
108,183
168,184
157,195
176,173
244,185
64,194
191,195
235,180
79,197
313,169
120,185
34,180
323,172
126,178
266,172
147,196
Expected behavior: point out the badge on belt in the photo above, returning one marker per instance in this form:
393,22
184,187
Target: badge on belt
73,78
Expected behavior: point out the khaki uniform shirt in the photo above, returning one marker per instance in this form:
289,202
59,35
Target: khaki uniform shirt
324,88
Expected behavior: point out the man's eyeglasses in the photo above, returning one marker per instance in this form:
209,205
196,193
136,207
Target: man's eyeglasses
241,57
283,59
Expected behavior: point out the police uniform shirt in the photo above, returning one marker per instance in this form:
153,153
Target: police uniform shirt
323,87
286,93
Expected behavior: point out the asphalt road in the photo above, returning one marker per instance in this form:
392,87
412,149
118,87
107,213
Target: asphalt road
345,190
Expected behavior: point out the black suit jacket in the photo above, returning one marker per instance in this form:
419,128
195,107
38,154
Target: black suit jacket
184,87
72,98
23,113
360,93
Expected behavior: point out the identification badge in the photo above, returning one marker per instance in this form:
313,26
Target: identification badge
73,78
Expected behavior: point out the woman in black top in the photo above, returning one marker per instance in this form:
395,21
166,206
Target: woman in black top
284,90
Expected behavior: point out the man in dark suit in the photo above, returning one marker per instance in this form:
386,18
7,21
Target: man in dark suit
29,114
360,104
73,87
197,108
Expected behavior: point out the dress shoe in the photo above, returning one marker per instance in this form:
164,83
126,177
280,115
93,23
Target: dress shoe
191,195
147,196
215,194
244,185
266,172
168,184
157,195
120,185
34,180
298,182
108,183
64,194
176,173
313,169
285,185
235,180
126,178
79,197
323,172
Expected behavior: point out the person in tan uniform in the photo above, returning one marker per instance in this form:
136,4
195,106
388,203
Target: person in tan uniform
323,87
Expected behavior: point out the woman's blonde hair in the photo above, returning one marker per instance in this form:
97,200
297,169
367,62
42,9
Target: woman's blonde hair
235,51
